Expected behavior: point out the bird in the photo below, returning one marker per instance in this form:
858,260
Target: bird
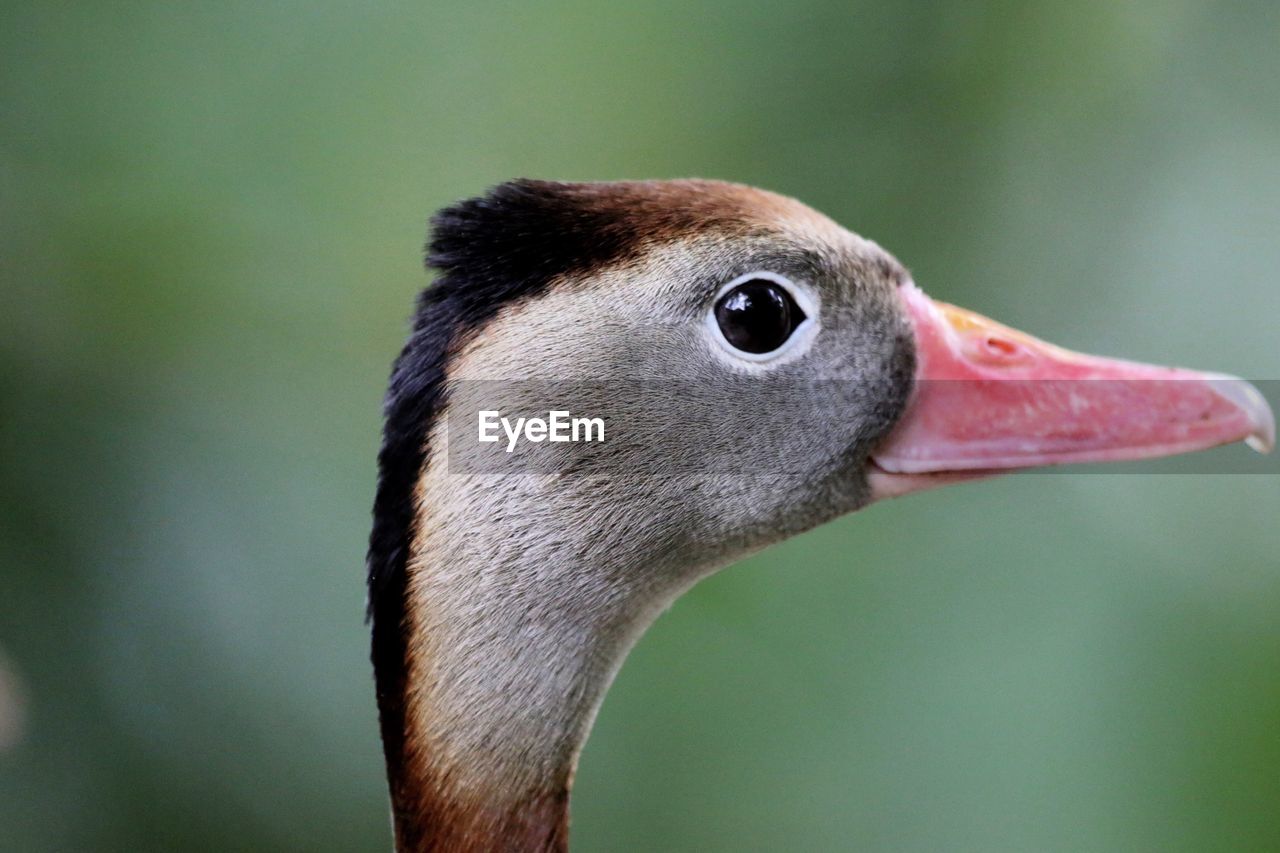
758,370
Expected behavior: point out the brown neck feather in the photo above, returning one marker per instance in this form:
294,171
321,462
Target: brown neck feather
491,735
433,817
505,668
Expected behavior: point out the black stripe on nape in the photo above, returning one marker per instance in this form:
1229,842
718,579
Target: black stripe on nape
491,251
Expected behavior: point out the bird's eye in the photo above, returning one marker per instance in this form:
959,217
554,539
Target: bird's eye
758,316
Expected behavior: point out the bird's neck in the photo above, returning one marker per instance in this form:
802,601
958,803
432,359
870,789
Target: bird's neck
513,633
502,691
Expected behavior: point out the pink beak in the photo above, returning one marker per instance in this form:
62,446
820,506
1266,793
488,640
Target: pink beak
990,399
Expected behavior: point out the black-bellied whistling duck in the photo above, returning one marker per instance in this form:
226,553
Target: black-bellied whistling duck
503,604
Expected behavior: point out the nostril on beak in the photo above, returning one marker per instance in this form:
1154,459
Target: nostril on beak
999,346
998,351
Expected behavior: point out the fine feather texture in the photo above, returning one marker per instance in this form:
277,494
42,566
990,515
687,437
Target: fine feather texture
492,251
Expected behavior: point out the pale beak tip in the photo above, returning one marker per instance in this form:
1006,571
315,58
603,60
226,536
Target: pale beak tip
1262,443
1249,400
1264,440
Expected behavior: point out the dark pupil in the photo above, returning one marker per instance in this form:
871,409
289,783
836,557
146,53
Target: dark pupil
758,316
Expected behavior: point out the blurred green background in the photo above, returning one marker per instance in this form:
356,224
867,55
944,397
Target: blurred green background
210,227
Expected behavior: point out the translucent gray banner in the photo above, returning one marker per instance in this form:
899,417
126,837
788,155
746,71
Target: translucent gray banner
753,425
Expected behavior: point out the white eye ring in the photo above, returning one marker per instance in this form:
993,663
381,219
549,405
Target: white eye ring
792,348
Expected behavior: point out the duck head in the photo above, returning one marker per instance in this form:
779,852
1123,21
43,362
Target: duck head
756,368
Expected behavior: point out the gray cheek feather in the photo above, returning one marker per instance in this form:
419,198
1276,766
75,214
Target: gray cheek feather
535,583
